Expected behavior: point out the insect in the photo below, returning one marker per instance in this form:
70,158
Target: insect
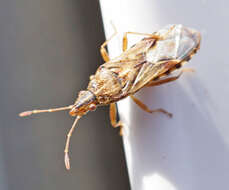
145,64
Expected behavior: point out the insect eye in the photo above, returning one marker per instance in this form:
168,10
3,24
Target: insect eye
92,107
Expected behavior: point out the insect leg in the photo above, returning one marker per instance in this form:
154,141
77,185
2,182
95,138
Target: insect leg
169,79
154,36
125,40
103,50
145,108
114,122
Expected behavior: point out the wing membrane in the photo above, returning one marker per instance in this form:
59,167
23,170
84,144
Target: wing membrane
149,59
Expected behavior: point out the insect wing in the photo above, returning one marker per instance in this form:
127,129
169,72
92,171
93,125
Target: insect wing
147,72
178,44
134,53
125,67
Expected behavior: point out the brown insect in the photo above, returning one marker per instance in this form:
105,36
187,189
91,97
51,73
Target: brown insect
145,64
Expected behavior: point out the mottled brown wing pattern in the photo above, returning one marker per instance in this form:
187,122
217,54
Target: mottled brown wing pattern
147,72
126,67
133,53
174,47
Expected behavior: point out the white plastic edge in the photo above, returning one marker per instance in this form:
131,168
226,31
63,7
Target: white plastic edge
189,151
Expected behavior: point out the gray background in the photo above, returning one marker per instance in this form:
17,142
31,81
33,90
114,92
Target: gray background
48,49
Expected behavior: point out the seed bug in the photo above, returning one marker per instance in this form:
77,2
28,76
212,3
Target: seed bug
145,64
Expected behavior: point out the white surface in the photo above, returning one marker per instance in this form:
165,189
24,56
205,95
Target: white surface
191,150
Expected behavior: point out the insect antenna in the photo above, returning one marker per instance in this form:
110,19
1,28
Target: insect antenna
27,113
66,156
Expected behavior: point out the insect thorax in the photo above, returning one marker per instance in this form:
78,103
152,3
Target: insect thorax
105,85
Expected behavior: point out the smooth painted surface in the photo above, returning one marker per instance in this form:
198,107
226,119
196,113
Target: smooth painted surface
191,150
